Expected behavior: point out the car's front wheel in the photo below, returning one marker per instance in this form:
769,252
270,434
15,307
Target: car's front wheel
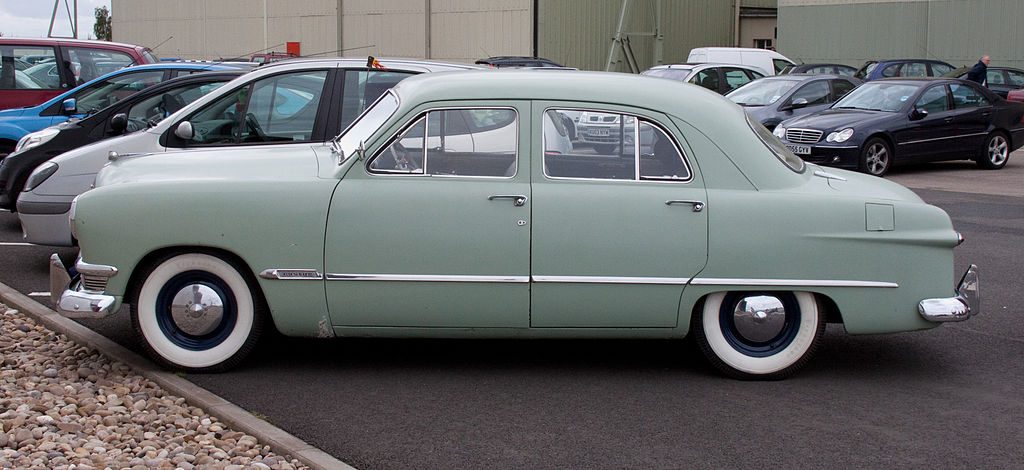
759,335
875,157
197,312
996,152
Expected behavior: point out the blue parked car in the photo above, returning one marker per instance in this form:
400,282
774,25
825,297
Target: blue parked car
875,69
90,97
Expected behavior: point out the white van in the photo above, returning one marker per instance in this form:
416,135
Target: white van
770,62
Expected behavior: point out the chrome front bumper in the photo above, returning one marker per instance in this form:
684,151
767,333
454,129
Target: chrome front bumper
71,299
966,304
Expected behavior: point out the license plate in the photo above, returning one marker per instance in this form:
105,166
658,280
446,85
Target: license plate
599,132
800,149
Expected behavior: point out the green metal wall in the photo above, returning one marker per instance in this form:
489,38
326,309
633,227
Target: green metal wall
578,33
956,31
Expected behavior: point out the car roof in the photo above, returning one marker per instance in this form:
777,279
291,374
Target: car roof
693,65
80,42
400,63
805,76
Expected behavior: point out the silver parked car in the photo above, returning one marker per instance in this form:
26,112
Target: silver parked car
287,103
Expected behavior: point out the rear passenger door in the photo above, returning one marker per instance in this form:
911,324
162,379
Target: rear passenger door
972,113
27,75
616,237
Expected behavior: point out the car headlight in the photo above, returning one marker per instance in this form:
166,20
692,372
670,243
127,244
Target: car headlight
36,139
780,132
39,175
840,136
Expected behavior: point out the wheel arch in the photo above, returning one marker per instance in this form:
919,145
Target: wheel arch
826,306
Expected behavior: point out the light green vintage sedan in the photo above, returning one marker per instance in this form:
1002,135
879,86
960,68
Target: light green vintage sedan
456,206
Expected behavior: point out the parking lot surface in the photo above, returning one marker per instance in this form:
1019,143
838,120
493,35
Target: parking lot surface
948,397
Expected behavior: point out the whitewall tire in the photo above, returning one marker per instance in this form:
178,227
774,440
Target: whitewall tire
197,312
759,335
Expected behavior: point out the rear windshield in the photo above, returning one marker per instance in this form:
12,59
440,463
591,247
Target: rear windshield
150,57
674,74
776,146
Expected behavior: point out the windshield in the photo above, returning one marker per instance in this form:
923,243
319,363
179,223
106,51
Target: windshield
366,124
776,146
761,92
878,96
674,74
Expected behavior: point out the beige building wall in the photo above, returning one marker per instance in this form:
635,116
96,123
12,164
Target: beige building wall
757,28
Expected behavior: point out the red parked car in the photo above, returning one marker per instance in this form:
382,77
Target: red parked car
1015,95
35,70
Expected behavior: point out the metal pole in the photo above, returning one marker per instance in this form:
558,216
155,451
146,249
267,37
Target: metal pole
617,40
266,41
736,26
659,38
427,8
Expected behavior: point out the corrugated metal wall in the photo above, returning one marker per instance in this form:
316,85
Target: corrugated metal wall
578,33
956,31
212,29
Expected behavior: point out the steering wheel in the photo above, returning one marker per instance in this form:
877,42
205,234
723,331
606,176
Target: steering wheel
400,155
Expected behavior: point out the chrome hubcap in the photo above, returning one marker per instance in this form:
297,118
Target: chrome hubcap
997,150
878,159
197,309
759,318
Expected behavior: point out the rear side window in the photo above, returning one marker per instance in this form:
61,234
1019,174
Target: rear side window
994,77
362,88
780,65
612,150
939,70
707,78
915,69
454,142
964,96
842,87
933,100
28,68
891,71
1016,78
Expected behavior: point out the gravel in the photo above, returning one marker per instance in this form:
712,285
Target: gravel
66,406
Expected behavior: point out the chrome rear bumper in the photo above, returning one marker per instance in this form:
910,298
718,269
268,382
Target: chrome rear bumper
71,299
966,304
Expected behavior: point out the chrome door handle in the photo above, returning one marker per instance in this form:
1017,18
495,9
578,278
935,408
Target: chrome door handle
697,205
517,199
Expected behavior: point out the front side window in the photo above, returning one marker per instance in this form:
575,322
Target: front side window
28,68
933,100
362,88
892,71
154,109
610,149
88,63
284,108
965,96
454,142
939,70
994,77
104,93
813,93
735,78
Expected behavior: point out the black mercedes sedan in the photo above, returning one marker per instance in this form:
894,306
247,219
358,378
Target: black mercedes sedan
908,120
771,100
136,112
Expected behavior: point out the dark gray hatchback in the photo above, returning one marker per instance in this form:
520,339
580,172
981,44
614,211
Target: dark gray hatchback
771,100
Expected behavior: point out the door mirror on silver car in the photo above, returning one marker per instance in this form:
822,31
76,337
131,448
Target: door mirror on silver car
118,123
184,130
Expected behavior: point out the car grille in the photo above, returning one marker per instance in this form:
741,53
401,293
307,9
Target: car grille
803,136
94,283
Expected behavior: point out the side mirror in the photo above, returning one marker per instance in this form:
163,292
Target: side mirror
184,131
798,103
119,122
918,114
70,106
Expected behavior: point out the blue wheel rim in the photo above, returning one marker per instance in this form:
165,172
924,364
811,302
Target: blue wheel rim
759,348
170,328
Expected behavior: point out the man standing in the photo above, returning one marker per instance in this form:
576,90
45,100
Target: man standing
979,71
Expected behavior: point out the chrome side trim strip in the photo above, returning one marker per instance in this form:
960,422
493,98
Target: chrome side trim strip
710,281
942,138
292,274
426,278
612,280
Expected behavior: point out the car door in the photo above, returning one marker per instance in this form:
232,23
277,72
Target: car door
615,237
815,95
424,235
931,136
972,113
997,81
19,84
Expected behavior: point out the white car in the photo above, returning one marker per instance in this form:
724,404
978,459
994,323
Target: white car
294,102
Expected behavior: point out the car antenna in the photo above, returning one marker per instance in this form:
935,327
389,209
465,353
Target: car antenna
161,43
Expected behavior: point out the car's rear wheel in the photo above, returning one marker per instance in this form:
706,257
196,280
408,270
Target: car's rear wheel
197,312
875,157
759,335
996,152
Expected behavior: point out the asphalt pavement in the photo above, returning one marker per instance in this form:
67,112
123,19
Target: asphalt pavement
948,397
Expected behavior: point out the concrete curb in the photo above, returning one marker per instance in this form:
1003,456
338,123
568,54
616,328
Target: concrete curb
280,441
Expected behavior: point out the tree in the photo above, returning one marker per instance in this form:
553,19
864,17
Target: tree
102,26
